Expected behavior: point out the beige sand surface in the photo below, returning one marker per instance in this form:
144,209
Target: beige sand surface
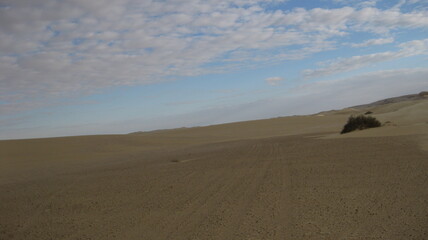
282,178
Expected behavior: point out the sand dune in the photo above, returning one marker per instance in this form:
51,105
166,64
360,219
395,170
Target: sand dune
282,178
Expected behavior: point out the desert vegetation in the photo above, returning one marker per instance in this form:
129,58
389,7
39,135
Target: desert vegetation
360,122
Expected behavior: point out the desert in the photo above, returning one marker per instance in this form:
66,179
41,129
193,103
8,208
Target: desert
290,177
213,119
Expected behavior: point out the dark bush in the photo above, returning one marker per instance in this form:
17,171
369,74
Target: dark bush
368,112
359,123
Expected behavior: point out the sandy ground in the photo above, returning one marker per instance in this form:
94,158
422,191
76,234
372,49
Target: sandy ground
282,178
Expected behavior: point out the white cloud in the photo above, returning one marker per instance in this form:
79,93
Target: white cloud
369,3
274,80
371,42
51,49
416,1
411,48
383,21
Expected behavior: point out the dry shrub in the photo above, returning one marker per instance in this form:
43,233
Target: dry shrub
359,123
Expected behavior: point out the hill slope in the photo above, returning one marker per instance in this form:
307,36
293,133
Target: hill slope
283,178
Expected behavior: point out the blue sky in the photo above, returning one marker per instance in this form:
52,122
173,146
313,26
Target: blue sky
117,66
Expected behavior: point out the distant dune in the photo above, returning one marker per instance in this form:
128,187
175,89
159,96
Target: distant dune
282,178
410,97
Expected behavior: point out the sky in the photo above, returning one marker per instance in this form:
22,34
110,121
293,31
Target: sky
78,67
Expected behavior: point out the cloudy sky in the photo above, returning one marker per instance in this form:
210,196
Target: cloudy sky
73,67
